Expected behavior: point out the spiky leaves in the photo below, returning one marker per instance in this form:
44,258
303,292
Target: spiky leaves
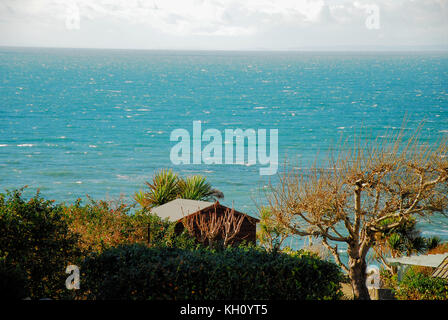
163,189
197,188
167,186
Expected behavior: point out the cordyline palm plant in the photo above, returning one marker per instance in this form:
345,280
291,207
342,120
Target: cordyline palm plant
167,186
164,188
402,240
197,188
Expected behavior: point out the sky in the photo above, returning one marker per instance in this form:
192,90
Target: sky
226,24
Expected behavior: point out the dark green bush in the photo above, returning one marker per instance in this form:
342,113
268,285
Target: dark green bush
135,272
12,281
35,238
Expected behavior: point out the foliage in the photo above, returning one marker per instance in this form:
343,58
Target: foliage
135,272
419,286
164,234
405,239
167,186
163,189
101,225
13,284
389,279
271,233
140,198
197,188
35,238
39,239
317,248
441,248
433,242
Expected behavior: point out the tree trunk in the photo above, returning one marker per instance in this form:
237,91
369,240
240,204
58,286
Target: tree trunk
357,251
358,277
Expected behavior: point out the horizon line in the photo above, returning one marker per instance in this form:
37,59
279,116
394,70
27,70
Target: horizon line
311,49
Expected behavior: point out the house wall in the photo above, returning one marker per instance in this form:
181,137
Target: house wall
247,231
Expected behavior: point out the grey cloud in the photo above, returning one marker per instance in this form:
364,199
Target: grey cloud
277,24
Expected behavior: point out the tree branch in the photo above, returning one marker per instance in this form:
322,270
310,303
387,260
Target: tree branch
334,251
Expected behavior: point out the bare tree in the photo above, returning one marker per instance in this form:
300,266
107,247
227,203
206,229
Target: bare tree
365,190
231,226
209,226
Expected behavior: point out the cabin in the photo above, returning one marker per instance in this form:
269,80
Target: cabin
180,210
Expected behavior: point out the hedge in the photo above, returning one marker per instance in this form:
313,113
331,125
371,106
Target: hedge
13,283
35,245
136,272
104,224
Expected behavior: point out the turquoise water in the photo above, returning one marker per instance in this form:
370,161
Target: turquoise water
98,122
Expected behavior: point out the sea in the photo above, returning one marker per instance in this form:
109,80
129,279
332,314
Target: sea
77,122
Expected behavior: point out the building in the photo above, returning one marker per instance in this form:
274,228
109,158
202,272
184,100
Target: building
435,261
180,209
442,270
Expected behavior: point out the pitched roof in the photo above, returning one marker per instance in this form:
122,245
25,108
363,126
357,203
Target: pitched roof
429,260
442,270
179,208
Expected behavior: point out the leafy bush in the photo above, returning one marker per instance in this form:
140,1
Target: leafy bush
389,279
271,234
419,286
12,281
104,224
35,238
136,272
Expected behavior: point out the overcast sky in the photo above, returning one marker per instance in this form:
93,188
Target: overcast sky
226,24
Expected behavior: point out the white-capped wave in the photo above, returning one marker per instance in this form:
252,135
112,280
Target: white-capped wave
123,177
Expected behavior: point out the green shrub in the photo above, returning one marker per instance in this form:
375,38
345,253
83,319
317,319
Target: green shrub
136,272
35,238
100,225
419,286
163,232
12,281
389,279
